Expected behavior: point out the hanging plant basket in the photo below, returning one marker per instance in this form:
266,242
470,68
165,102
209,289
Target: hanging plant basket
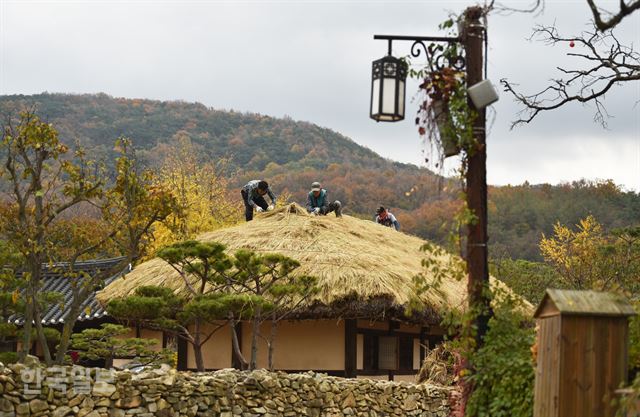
444,116
449,140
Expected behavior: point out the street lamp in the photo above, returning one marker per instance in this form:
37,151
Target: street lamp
388,86
471,38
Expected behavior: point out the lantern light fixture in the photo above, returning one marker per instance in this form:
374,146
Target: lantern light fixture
388,86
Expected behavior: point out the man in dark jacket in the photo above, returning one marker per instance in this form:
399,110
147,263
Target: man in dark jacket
253,196
318,203
385,218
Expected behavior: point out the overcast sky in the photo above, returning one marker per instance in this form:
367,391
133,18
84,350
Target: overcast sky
312,61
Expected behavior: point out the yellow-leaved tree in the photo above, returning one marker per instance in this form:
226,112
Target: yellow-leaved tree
592,258
204,199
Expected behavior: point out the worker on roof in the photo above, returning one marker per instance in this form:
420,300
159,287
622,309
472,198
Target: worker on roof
253,196
318,203
385,218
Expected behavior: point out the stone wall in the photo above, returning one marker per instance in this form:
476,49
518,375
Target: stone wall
91,392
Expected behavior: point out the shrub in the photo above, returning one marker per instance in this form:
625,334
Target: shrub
503,371
8,357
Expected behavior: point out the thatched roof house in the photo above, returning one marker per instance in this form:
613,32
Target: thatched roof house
356,262
365,274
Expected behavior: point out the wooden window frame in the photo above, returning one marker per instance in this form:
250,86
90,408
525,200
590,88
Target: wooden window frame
371,342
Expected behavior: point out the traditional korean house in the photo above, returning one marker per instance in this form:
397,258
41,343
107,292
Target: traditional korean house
357,325
55,279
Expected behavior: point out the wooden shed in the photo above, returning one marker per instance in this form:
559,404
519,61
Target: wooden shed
582,359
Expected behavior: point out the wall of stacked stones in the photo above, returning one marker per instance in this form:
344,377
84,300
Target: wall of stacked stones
92,392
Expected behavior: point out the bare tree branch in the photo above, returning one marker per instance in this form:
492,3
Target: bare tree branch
608,63
612,19
536,6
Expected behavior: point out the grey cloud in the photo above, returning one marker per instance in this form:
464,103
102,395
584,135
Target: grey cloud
309,60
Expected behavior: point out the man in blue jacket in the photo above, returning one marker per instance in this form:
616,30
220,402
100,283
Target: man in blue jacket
318,203
253,196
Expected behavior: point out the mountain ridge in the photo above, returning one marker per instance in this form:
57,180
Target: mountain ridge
50,106
292,154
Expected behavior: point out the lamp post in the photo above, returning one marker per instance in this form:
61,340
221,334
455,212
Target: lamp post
471,39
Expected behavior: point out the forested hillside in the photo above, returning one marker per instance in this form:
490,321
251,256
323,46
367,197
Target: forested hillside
518,215
292,154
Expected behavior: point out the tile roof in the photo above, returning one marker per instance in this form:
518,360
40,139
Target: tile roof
55,281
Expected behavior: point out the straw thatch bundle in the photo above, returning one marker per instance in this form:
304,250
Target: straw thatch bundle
363,269
438,367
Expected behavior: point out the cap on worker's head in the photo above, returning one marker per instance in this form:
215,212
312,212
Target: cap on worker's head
380,210
315,186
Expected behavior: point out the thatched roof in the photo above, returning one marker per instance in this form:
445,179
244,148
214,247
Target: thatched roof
363,269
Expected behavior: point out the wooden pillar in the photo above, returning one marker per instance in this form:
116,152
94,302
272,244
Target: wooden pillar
182,354
476,178
393,326
350,347
423,342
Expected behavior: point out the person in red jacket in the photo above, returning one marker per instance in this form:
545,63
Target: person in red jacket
385,218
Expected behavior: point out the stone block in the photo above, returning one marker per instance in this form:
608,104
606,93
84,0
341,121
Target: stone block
36,405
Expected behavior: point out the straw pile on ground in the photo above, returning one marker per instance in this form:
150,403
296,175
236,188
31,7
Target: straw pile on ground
438,367
357,262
